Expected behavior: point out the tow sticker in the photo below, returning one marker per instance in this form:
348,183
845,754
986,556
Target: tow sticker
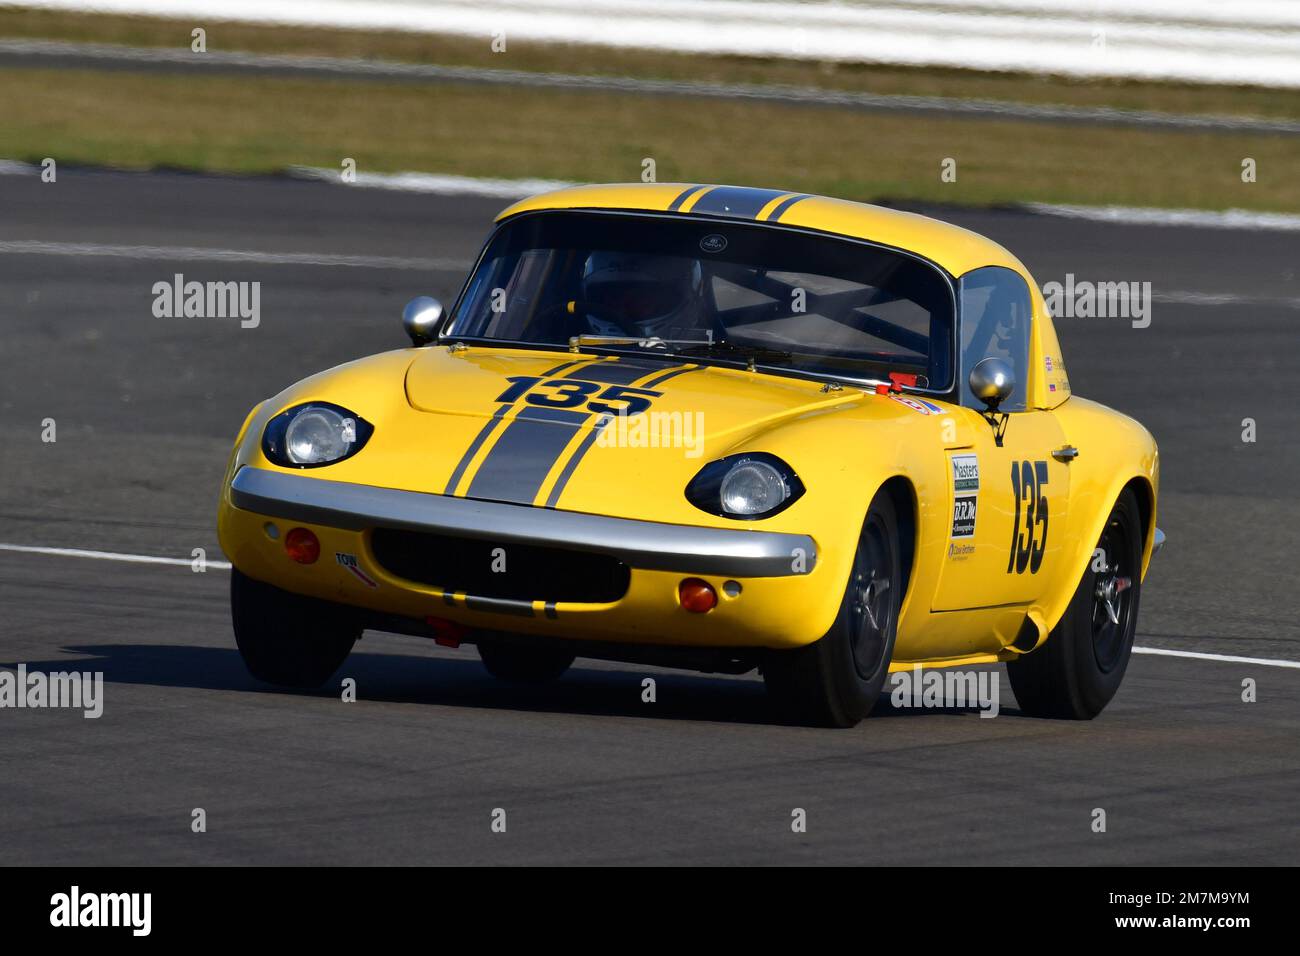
349,561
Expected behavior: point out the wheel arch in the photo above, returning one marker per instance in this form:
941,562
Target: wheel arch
902,494
1074,568
1146,502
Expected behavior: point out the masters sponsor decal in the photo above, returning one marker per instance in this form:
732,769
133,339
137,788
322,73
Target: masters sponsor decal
965,473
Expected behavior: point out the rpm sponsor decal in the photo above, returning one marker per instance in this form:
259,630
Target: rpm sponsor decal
918,404
963,516
349,561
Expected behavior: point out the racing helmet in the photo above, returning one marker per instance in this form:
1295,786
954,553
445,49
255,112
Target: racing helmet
648,292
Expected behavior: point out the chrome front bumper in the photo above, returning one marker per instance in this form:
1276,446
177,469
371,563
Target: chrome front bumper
650,545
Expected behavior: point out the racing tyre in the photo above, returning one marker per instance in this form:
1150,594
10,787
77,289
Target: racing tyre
524,665
1076,672
285,638
835,681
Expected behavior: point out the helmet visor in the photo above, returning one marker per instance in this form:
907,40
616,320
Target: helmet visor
636,300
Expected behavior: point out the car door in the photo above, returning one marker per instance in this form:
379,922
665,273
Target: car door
1007,494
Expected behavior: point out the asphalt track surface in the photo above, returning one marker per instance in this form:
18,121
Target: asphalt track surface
586,772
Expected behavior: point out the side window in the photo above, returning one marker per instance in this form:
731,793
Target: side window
996,311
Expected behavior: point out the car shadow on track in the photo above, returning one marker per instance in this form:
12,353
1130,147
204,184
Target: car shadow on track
455,682
614,691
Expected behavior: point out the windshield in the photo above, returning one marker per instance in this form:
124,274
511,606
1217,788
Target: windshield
735,291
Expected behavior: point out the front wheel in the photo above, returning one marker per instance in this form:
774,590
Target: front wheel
285,638
521,664
835,681
1078,669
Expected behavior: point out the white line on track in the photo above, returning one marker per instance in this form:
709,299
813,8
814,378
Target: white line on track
438,183
225,566
31,247
1203,218
112,556
1162,652
1177,297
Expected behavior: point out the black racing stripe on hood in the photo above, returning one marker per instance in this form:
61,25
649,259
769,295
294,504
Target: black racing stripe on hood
473,448
575,459
524,454
620,372
670,374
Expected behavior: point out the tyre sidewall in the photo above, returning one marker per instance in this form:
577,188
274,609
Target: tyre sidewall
1091,687
288,639
865,690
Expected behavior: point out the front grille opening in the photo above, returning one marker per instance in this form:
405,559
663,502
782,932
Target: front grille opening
532,572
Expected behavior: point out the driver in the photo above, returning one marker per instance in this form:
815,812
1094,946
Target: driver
630,293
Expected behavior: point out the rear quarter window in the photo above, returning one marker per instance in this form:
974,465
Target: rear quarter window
995,314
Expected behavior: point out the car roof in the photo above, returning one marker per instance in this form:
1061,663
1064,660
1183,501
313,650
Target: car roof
956,249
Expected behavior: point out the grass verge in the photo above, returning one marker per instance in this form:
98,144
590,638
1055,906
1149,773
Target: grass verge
231,123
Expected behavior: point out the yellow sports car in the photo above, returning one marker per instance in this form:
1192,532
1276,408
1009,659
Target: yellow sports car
712,427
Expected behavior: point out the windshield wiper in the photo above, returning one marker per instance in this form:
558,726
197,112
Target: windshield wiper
653,342
751,354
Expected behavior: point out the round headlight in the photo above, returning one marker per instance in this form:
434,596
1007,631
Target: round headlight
314,434
747,486
752,488
318,434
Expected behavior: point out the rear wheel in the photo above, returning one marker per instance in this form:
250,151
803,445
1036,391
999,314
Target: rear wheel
835,681
285,638
1078,669
524,665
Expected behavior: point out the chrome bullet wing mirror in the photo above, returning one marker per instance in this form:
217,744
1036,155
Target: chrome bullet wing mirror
992,381
421,319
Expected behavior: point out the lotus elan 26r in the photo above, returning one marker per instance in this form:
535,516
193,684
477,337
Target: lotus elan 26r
710,427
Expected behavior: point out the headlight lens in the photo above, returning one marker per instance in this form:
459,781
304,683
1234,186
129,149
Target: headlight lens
745,487
314,434
752,488
317,435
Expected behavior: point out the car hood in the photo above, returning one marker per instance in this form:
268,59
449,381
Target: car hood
479,381
472,422
545,415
